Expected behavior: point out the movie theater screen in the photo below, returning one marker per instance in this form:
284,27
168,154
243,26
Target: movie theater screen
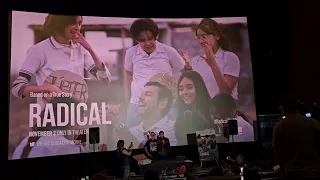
81,83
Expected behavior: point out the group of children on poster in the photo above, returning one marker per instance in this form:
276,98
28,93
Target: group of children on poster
206,90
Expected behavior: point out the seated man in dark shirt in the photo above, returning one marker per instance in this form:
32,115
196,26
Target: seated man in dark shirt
296,143
151,147
163,146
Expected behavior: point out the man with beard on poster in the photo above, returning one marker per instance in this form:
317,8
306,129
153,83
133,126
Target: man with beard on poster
154,105
163,146
140,134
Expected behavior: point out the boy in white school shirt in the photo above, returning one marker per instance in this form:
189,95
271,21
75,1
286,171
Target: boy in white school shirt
65,49
146,59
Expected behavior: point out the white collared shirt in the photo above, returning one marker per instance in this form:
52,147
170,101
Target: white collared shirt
165,125
48,56
164,59
48,146
229,65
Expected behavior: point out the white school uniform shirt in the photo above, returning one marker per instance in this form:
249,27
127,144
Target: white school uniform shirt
164,59
229,64
48,146
48,56
165,125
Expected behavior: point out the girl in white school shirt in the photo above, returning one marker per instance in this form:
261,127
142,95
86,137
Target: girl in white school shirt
219,68
65,49
53,145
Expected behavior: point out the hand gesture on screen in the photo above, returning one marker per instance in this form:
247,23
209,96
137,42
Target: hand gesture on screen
113,109
209,57
50,88
79,38
186,58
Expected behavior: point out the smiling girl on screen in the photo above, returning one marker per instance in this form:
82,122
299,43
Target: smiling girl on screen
224,107
65,49
219,67
193,106
58,145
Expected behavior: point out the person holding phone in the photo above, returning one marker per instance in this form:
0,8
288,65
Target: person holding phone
124,156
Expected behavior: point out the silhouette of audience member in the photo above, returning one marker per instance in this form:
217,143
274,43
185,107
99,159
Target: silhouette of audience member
192,174
99,176
240,161
251,173
296,142
236,170
103,175
216,171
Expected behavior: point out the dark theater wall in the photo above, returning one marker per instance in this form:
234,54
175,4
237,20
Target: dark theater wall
269,33
305,50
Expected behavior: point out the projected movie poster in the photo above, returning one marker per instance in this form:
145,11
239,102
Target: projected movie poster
127,77
207,147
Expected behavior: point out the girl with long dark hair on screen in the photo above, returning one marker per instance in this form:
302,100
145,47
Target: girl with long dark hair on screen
193,105
124,157
224,107
52,144
219,67
64,49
